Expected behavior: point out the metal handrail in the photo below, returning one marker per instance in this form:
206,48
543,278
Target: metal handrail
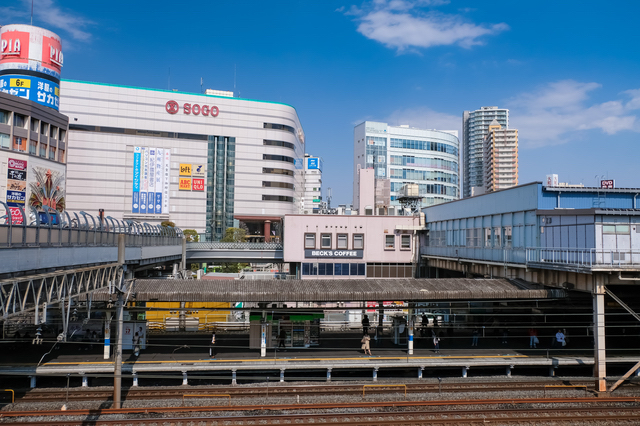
237,246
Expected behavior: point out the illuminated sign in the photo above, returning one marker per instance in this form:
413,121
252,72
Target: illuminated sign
608,184
348,254
198,184
172,107
185,184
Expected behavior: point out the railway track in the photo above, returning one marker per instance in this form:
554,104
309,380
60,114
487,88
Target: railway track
522,412
44,395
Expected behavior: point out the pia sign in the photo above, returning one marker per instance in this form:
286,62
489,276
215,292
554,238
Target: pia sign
173,107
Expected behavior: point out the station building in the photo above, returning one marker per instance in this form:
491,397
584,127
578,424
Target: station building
203,161
33,134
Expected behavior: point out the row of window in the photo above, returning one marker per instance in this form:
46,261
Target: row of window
280,127
411,174
20,144
357,241
287,185
278,143
138,132
434,163
277,198
496,237
273,171
424,145
36,126
278,158
370,270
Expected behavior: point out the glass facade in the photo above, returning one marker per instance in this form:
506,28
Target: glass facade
220,186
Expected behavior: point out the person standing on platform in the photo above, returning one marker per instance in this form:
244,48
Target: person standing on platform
474,337
281,338
533,338
365,324
436,342
366,347
560,341
136,344
212,346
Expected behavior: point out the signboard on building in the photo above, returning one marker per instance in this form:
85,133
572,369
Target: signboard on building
38,90
185,169
333,254
16,195
185,184
608,184
198,170
198,184
552,180
151,174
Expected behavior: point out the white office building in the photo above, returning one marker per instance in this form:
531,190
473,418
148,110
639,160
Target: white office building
312,198
404,155
204,162
475,127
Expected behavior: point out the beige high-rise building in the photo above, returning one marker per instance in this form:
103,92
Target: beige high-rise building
500,158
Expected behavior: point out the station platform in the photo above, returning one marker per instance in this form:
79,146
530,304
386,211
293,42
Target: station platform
339,352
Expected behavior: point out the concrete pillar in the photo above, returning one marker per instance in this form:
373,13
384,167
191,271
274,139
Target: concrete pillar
135,379
185,380
85,380
233,377
282,374
32,382
267,231
183,261
599,355
375,374
263,340
329,374
464,371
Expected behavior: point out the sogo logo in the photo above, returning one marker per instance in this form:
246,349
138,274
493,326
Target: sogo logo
173,107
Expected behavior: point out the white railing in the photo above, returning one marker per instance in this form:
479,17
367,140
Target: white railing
586,258
233,246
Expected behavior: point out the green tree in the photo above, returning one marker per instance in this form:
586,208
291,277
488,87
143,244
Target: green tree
167,223
191,235
234,235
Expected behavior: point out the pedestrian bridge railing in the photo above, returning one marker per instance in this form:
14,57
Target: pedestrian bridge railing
233,246
50,228
584,258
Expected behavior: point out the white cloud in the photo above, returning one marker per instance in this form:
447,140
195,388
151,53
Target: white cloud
554,113
425,118
402,25
48,15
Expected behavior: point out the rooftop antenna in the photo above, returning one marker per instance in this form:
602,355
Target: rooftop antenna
201,90
169,82
329,198
32,13
235,69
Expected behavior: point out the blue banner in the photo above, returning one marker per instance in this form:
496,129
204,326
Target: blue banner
143,202
158,202
135,200
39,90
16,198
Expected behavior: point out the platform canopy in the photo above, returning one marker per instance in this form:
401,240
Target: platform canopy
335,290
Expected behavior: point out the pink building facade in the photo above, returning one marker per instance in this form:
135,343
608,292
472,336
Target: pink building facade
351,247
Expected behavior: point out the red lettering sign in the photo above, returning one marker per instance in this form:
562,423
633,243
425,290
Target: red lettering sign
195,109
16,216
214,111
197,184
187,108
51,53
172,107
205,109
15,47
17,164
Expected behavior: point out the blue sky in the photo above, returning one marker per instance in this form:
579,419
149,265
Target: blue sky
568,71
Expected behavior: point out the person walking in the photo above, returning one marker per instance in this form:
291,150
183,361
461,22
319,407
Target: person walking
212,346
436,342
474,337
366,347
281,338
365,324
533,338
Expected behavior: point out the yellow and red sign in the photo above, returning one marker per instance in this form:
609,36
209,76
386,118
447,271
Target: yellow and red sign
185,184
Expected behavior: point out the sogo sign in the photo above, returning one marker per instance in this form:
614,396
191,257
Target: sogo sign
172,107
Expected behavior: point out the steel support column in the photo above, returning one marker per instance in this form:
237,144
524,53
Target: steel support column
599,355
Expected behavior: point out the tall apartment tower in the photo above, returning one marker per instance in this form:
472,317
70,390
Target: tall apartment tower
398,155
312,198
500,158
475,127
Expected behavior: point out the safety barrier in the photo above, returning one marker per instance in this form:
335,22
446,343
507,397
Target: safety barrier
51,228
13,394
584,258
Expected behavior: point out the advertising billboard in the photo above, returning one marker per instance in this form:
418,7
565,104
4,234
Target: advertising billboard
151,180
16,195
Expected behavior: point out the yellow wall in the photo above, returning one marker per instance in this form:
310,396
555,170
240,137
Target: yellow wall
200,310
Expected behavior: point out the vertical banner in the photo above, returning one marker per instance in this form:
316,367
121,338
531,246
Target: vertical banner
135,199
159,179
144,183
165,183
151,200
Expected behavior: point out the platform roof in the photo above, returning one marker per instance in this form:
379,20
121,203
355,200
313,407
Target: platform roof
335,290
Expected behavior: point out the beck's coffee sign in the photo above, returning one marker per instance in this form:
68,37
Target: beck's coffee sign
333,254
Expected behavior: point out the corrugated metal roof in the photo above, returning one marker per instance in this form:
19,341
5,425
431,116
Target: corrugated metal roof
333,290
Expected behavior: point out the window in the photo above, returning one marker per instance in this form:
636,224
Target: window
277,171
43,149
33,147
389,242
279,127
496,237
487,237
44,128
52,153
278,158
277,198
61,155
19,120
405,242
4,140
35,125
287,185
309,241
19,144
358,241
4,116
342,241
278,143
325,241
63,134
507,236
